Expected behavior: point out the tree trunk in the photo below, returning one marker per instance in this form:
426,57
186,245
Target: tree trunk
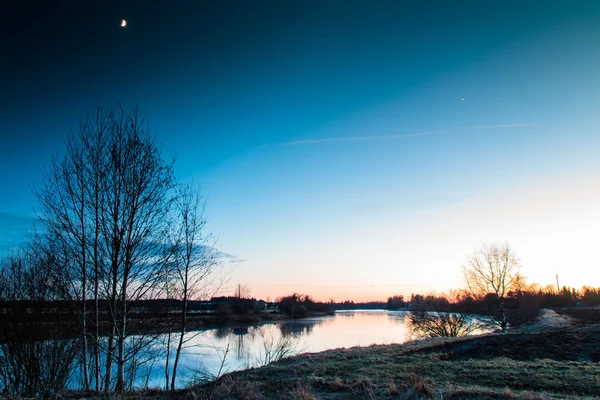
109,359
122,335
120,387
96,281
169,332
96,334
168,358
502,317
113,326
86,377
180,344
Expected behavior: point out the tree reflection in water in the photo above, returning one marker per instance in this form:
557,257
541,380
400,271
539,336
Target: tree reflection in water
217,351
262,344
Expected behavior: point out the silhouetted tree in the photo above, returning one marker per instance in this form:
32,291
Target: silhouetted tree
432,316
493,272
590,295
29,365
105,207
295,305
440,324
396,302
193,262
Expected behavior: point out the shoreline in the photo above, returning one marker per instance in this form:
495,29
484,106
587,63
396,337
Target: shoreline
563,364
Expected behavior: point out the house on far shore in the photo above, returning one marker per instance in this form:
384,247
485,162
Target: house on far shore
261,305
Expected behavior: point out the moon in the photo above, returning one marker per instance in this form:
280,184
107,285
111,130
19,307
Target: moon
123,23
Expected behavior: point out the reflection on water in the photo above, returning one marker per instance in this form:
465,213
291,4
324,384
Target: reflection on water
244,346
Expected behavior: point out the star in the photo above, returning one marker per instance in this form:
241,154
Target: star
123,23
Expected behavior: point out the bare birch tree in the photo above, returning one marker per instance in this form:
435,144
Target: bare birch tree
137,201
193,264
64,208
493,270
105,206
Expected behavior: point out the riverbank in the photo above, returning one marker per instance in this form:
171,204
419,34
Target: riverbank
255,318
562,363
51,327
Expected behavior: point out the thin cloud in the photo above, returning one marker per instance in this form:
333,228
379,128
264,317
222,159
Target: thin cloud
502,126
406,135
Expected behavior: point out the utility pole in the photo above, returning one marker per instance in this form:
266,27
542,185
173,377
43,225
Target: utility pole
557,285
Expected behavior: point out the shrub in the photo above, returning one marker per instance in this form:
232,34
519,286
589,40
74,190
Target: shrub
440,324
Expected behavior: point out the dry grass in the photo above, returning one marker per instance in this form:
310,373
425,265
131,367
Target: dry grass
419,388
303,392
559,364
392,389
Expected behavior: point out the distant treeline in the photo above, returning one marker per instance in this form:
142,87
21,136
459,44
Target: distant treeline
296,304
67,311
301,305
523,305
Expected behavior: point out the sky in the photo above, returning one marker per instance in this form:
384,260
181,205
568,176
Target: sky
346,149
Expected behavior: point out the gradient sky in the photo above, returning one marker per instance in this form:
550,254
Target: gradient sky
348,149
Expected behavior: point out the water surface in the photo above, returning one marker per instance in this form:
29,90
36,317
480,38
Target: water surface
216,351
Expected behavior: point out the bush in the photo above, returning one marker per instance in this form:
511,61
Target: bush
440,324
33,362
296,305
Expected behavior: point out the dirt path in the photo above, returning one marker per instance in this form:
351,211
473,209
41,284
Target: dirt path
548,319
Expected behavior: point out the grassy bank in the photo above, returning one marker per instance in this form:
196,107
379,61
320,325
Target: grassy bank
561,364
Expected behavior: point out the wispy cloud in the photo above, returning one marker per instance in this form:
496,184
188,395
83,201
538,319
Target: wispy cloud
407,135
501,126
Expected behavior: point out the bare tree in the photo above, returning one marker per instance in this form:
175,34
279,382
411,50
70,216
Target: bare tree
440,324
64,204
70,210
493,271
118,230
94,136
134,218
33,361
194,260
275,346
432,316
105,206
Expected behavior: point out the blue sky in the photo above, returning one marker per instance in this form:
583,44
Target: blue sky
347,149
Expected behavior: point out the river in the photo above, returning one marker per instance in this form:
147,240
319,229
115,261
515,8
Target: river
216,351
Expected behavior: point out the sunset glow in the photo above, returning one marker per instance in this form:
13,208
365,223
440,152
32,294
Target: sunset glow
341,157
